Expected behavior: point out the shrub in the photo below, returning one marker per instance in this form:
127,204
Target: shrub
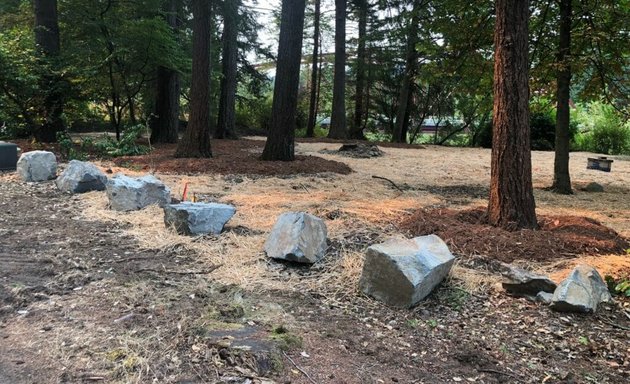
127,146
542,127
603,131
254,113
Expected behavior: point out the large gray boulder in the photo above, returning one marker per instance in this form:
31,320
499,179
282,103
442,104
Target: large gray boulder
198,218
523,283
131,194
80,177
401,272
37,166
582,291
298,237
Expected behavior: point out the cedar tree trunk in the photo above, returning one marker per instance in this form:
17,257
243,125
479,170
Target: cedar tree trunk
165,123
196,139
561,176
227,102
406,89
511,204
338,129
356,132
312,109
48,46
280,143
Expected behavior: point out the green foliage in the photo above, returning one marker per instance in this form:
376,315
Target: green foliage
128,145
255,113
20,95
623,288
69,150
602,130
543,131
318,132
285,339
542,126
619,287
378,136
483,138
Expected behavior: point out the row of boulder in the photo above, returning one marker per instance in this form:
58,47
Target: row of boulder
400,272
126,193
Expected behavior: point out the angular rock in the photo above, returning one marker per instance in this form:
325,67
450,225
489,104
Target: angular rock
131,194
401,272
582,291
198,218
298,237
524,283
80,177
544,297
37,166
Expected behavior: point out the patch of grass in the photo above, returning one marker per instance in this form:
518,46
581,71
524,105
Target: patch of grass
126,360
454,297
276,361
413,323
285,339
432,323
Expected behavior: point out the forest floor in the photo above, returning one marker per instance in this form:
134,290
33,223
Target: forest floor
89,295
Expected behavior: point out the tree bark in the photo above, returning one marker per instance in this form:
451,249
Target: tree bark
561,176
280,143
511,205
227,102
196,139
338,128
356,132
48,46
406,90
312,110
165,123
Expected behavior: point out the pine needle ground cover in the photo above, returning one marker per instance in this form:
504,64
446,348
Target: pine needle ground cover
152,304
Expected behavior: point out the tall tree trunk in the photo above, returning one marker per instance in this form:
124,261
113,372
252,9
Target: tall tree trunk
511,204
132,110
196,139
356,132
280,143
227,101
165,123
561,176
48,46
406,90
312,109
338,128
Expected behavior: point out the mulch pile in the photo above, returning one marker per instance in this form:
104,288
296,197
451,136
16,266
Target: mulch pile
468,233
230,157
